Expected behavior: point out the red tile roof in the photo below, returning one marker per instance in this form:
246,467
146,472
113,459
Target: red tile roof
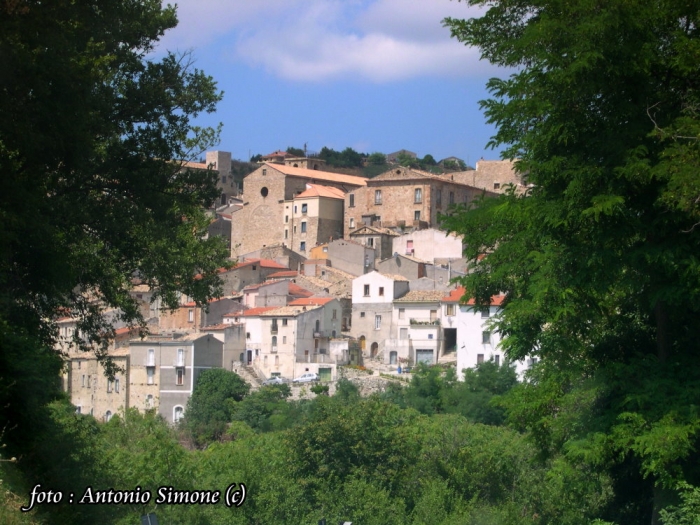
257,311
298,291
283,273
456,296
308,301
319,175
316,190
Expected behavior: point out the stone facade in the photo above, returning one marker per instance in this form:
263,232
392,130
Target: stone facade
405,198
261,220
351,257
381,239
493,176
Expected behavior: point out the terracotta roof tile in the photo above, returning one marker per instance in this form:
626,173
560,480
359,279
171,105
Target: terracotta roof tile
316,190
421,296
317,301
319,175
297,291
253,312
283,273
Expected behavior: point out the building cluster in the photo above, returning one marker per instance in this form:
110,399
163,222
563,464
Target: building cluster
330,269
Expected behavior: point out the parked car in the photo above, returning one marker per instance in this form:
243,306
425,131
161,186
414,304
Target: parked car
308,377
275,380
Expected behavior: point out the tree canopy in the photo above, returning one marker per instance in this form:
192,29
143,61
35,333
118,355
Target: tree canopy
599,257
94,130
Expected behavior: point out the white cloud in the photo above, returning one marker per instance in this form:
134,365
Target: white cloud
318,40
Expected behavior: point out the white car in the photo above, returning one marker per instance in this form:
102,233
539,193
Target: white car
308,377
275,380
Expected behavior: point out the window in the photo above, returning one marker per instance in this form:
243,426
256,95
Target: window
116,385
295,209
381,290
303,227
284,322
264,172
418,195
479,358
83,380
486,338
452,197
352,201
274,343
485,314
264,191
367,290
362,314
496,185
284,339
302,246
286,233
304,208
431,336
108,416
416,215
377,196
402,313
438,196
180,357
377,322
149,401
294,229
409,247
497,360
277,360
151,357
352,222
78,409
433,315
286,219
450,309
190,316
247,335
150,374
403,333
178,414
109,387
180,376
370,242
79,364
335,314
89,381
325,250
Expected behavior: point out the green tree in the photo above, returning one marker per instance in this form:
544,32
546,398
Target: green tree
213,403
601,112
376,159
297,152
93,129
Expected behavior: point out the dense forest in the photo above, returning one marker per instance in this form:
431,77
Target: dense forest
434,451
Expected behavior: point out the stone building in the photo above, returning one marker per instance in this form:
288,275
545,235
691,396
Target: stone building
267,194
351,257
313,216
380,239
405,198
219,161
163,371
373,295
492,175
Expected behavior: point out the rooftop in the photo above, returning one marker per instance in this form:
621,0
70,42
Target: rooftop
316,190
318,175
313,301
421,296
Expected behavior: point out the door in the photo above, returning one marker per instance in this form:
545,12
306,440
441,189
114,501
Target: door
392,357
324,374
424,356
250,356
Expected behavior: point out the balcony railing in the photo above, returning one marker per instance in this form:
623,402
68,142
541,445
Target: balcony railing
316,358
425,322
274,350
273,329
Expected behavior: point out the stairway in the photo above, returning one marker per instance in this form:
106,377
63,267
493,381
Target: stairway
248,375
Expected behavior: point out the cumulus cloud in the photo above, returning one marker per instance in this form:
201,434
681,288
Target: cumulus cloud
319,40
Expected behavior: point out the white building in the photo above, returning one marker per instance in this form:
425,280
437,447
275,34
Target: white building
417,333
373,296
476,340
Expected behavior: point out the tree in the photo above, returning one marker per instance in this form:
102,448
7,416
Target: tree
93,131
212,404
297,152
376,159
596,257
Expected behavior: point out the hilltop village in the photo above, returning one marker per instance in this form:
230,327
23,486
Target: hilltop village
329,269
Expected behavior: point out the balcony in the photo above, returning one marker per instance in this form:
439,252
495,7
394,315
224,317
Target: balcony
274,350
316,358
425,322
274,329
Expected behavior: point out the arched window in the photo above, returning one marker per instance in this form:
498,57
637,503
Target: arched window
149,401
274,340
108,415
178,414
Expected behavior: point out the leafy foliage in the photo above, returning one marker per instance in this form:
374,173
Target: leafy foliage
597,258
212,404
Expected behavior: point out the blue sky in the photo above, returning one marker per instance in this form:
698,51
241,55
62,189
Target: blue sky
375,75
